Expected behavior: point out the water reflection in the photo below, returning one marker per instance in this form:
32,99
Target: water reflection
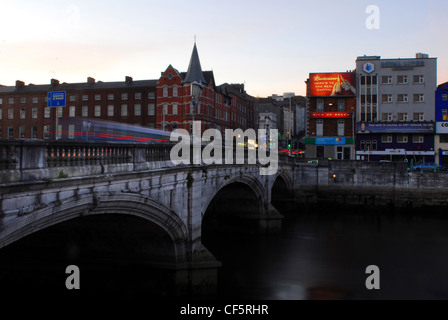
323,253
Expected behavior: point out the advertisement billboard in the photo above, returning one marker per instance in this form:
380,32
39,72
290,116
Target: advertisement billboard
395,127
333,84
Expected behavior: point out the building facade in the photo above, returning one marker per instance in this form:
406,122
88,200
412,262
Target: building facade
441,138
331,112
164,104
395,108
24,111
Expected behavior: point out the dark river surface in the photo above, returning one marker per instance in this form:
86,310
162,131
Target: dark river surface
320,253
323,253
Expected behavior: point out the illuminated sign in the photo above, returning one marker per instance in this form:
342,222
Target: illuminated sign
442,127
330,141
333,84
331,115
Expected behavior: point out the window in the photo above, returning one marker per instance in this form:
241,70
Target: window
319,128
419,79
444,97
85,97
151,109
340,153
387,80
320,105
1,100
71,131
402,117
362,145
386,138
444,114
59,111
403,98
137,110
97,97
10,132
72,111
10,113
374,145
124,96
72,98
418,139
175,91
420,116
110,96
22,100
444,138
341,128
124,110
11,100
401,138
34,132
138,96
165,92
47,112
175,108
46,133
1,115
386,116
22,114
85,111
341,105
97,111
402,79
34,113
151,95
110,110
165,109
386,98
419,97
35,100
22,132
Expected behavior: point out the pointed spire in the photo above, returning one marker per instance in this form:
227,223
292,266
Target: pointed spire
194,72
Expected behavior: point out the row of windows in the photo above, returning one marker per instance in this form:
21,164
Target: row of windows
340,105
400,79
85,97
372,145
402,98
416,116
84,111
320,128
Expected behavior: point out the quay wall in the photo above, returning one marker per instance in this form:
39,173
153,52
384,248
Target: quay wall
369,184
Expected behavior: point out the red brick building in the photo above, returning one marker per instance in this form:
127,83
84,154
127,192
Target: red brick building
222,107
163,103
331,114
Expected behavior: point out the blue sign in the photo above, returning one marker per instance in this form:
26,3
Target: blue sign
330,141
56,99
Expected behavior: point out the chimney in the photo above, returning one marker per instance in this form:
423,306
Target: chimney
20,84
128,80
90,80
54,82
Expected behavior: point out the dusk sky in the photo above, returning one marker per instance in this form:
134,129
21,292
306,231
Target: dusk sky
271,46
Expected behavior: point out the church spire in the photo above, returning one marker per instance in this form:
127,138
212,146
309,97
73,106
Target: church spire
194,72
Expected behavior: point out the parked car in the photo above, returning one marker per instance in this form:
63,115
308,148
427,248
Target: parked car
427,166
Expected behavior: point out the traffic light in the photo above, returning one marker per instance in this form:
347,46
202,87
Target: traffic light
289,144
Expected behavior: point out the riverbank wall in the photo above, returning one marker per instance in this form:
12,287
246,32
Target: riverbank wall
371,184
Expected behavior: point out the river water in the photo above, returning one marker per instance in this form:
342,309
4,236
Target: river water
323,253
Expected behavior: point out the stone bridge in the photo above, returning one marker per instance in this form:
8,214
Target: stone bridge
46,184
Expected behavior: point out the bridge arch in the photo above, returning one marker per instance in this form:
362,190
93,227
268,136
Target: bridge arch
250,182
115,204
